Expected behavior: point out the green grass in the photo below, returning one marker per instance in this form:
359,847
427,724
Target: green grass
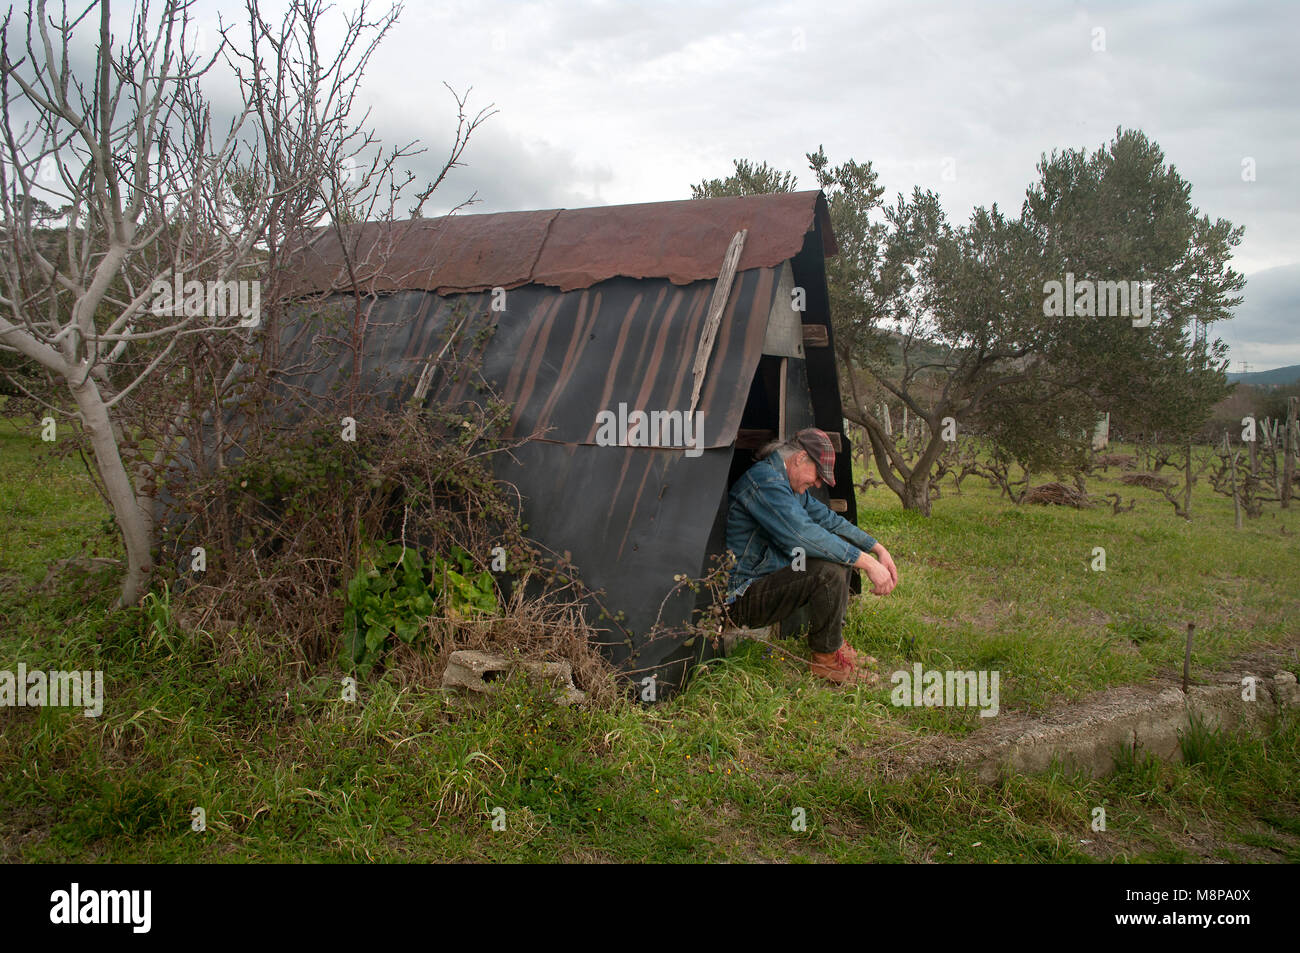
984,584
51,510
285,770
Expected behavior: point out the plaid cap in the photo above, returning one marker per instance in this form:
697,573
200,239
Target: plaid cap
821,450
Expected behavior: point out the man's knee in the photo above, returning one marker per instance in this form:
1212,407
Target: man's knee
835,574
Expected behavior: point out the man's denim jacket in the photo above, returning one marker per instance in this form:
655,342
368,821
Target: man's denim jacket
765,521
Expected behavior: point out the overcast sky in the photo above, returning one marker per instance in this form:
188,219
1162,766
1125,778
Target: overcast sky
613,102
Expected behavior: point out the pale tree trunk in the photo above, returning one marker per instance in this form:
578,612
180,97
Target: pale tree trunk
134,514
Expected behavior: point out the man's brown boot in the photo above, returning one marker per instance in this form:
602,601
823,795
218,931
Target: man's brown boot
839,668
859,660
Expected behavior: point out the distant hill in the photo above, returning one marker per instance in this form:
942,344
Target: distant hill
1278,377
924,352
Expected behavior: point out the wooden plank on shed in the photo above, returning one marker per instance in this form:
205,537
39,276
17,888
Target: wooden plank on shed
784,335
816,335
752,439
717,304
780,424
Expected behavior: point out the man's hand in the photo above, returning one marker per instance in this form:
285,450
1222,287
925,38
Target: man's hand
883,576
886,560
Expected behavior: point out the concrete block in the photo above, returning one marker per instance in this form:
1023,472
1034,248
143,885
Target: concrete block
1286,692
733,636
1087,739
475,671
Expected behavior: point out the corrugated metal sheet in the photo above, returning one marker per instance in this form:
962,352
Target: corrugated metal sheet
632,519
561,359
564,248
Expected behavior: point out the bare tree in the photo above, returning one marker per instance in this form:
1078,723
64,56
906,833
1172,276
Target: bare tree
176,216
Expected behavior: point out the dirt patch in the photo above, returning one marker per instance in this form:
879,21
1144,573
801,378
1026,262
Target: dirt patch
1206,843
1094,621
990,617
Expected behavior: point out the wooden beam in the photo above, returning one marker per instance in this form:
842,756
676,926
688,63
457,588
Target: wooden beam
753,439
717,304
839,506
780,418
816,335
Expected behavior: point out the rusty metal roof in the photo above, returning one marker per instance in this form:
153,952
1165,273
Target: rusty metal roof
682,241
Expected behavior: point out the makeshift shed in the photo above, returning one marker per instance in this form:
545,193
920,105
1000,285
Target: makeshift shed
600,307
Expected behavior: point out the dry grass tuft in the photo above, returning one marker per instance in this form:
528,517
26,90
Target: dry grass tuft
1150,481
1056,494
286,527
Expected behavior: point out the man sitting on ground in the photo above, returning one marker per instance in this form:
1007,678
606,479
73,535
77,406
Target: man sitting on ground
772,516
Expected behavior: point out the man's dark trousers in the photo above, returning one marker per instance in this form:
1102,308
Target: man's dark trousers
823,587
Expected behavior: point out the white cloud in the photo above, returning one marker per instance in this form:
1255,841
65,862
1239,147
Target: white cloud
611,102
